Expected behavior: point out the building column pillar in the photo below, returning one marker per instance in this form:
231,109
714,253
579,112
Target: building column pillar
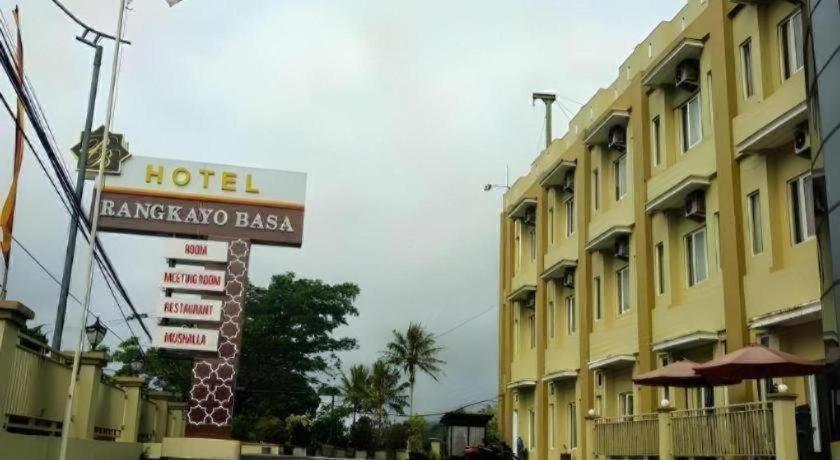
176,420
666,448
87,390
589,449
161,400
784,424
131,411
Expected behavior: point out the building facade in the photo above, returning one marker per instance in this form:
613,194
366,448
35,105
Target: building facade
675,219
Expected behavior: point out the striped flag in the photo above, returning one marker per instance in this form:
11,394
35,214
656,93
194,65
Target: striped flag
7,215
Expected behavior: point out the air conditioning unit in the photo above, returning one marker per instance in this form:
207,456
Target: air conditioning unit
530,217
687,75
531,302
695,206
617,138
802,142
568,279
622,249
569,182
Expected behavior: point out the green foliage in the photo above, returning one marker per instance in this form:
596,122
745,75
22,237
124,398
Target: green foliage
415,350
385,391
287,338
270,429
36,332
354,388
416,430
362,434
395,437
298,427
328,428
162,372
491,434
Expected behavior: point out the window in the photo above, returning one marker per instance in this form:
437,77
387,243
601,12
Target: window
532,330
754,209
551,318
620,168
599,405
692,127
551,425
623,285
599,379
551,201
517,231
791,45
570,216
572,426
711,99
596,296
571,317
717,238
664,360
625,404
695,247
532,237
531,429
660,268
802,208
746,68
596,192
516,332
657,149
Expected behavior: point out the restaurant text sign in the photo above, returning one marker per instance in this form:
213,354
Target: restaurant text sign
180,279
185,309
185,338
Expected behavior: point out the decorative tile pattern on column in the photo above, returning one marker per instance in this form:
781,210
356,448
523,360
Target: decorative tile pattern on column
214,378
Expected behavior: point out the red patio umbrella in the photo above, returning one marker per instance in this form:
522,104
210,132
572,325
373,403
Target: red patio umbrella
678,374
757,362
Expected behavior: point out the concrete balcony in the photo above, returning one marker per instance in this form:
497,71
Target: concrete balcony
771,122
612,337
619,217
669,188
523,368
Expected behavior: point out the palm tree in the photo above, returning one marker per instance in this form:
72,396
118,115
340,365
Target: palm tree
385,390
354,388
416,349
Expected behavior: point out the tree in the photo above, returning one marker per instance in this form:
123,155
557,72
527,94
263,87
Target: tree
287,340
416,349
164,372
36,332
385,391
354,388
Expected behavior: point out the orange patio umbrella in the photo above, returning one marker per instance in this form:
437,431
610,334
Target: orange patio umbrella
679,374
757,362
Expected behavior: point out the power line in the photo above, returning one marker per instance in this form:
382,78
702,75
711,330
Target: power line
463,323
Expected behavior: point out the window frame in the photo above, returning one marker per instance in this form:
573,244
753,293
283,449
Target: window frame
755,223
569,207
786,34
571,409
659,262
656,128
626,401
596,185
801,212
532,330
552,201
747,77
571,315
622,276
691,266
685,122
620,168
551,415
532,237
598,311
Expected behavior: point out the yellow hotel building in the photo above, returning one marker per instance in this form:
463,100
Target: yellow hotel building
674,219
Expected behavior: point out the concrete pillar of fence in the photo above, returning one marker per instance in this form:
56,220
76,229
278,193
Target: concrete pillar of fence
434,448
161,400
176,422
87,390
13,317
784,424
666,448
131,414
591,418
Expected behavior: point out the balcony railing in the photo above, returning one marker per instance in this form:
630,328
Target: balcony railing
636,435
743,430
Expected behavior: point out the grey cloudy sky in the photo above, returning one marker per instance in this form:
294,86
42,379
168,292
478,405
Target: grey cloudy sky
399,111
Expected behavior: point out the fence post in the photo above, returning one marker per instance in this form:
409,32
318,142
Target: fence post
591,419
161,400
87,390
784,423
176,422
666,448
13,317
131,414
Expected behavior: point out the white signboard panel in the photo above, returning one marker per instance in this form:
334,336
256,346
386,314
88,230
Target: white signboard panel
188,339
194,280
190,309
196,250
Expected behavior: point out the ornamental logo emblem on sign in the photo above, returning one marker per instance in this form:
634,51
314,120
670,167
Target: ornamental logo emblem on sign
117,152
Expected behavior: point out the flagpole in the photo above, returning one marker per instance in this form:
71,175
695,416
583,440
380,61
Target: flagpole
100,181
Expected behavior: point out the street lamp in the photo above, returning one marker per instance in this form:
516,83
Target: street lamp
95,333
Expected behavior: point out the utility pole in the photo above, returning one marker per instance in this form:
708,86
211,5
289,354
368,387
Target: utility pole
70,252
100,181
548,99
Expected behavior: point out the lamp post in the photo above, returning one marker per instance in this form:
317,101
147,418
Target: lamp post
95,333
